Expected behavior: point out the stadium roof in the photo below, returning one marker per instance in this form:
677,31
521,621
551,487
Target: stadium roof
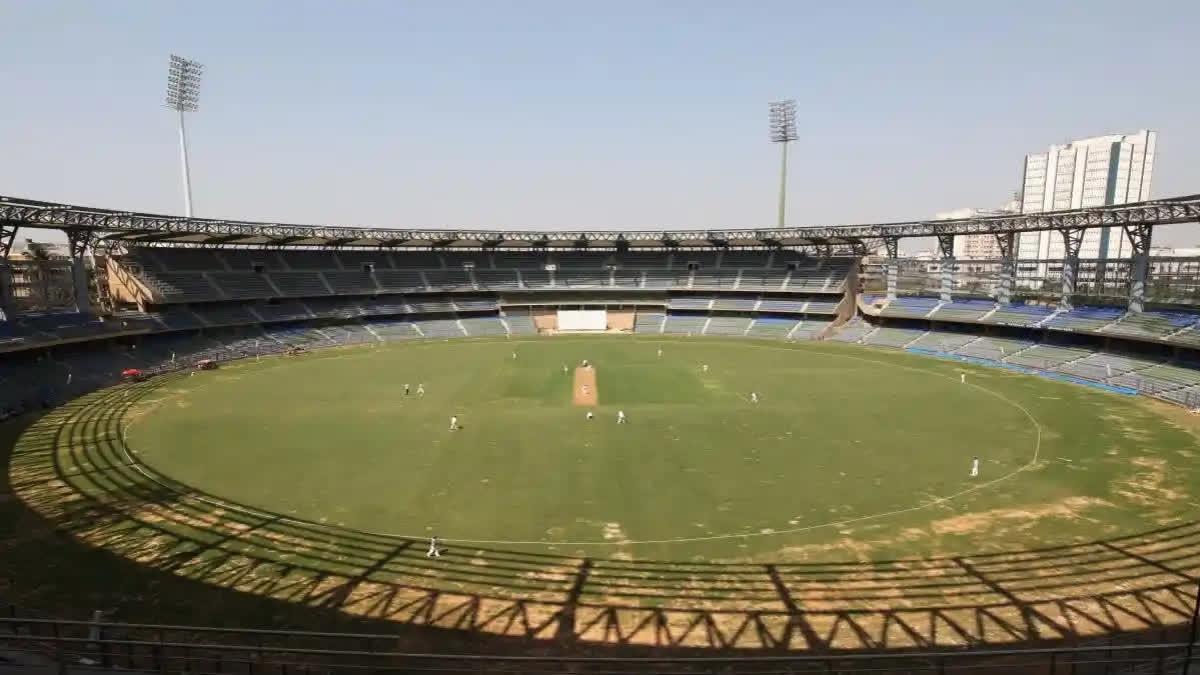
127,226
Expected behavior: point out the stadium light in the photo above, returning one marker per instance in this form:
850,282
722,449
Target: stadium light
782,119
183,95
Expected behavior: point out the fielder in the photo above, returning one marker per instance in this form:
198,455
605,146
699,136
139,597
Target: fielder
406,389
974,467
754,397
590,415
514,356
420,390
453,422
704,368
564,368
963,378
620,417
660,352
433,551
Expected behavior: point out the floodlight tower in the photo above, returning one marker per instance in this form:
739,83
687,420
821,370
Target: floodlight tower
782,118
183,95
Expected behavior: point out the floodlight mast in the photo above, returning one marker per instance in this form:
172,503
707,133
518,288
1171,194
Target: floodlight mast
183,95
782,118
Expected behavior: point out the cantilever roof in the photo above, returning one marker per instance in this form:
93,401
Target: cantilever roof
146,227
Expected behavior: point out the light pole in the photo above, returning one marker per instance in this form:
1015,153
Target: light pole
782,118
183,95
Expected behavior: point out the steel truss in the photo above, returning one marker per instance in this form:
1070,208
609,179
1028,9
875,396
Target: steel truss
144,227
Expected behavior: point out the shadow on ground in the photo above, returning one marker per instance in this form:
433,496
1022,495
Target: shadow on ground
109,534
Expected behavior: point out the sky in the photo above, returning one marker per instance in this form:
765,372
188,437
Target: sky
582,115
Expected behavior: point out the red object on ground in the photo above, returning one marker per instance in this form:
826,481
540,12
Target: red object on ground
131,372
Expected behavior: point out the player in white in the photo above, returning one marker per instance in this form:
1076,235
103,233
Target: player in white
962,378
660,352
564,368
453,422
974,467
590,415
754,397
620,417
434,551
406,389
514,356
704,368
420,390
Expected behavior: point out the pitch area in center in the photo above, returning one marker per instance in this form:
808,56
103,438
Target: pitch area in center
334,438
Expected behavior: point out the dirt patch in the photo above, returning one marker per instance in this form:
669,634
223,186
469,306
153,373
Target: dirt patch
584,392
1069,508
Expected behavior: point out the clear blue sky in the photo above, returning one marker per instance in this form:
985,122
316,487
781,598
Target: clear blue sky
583,115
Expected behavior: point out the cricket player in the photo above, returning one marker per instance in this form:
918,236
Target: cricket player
564,368
433,551
704,368
590,415
420,389
620,417
514,356
660,352
453,422
974,467
962,378
406,389
754,397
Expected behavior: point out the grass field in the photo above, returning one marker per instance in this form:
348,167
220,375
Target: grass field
268,492
841,437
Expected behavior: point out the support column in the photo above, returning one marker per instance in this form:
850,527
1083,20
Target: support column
893,265
1072,240
1008,266
1139,265
946,245
79,241
8,234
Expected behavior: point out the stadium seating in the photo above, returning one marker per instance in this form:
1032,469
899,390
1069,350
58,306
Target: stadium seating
243,285
914,307
943,341
963,310
737,304
648,322
1084,319
809,329
690,303
727,325
820,306
1048,357
685,324
1020,315
353,282
993,348
781,305
851,331
771,327
1152,325
520,324
892,337
481,327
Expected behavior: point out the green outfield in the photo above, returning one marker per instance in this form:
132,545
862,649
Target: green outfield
849,454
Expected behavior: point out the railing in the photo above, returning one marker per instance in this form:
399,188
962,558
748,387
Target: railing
190,649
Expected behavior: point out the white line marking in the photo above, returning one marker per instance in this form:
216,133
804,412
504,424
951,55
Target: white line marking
678,540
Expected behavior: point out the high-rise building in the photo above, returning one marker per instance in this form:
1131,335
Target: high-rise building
1098,171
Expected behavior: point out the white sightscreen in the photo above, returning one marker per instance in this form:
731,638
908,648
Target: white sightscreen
582,319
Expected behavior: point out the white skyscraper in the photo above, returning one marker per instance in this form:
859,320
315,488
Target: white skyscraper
1096,171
